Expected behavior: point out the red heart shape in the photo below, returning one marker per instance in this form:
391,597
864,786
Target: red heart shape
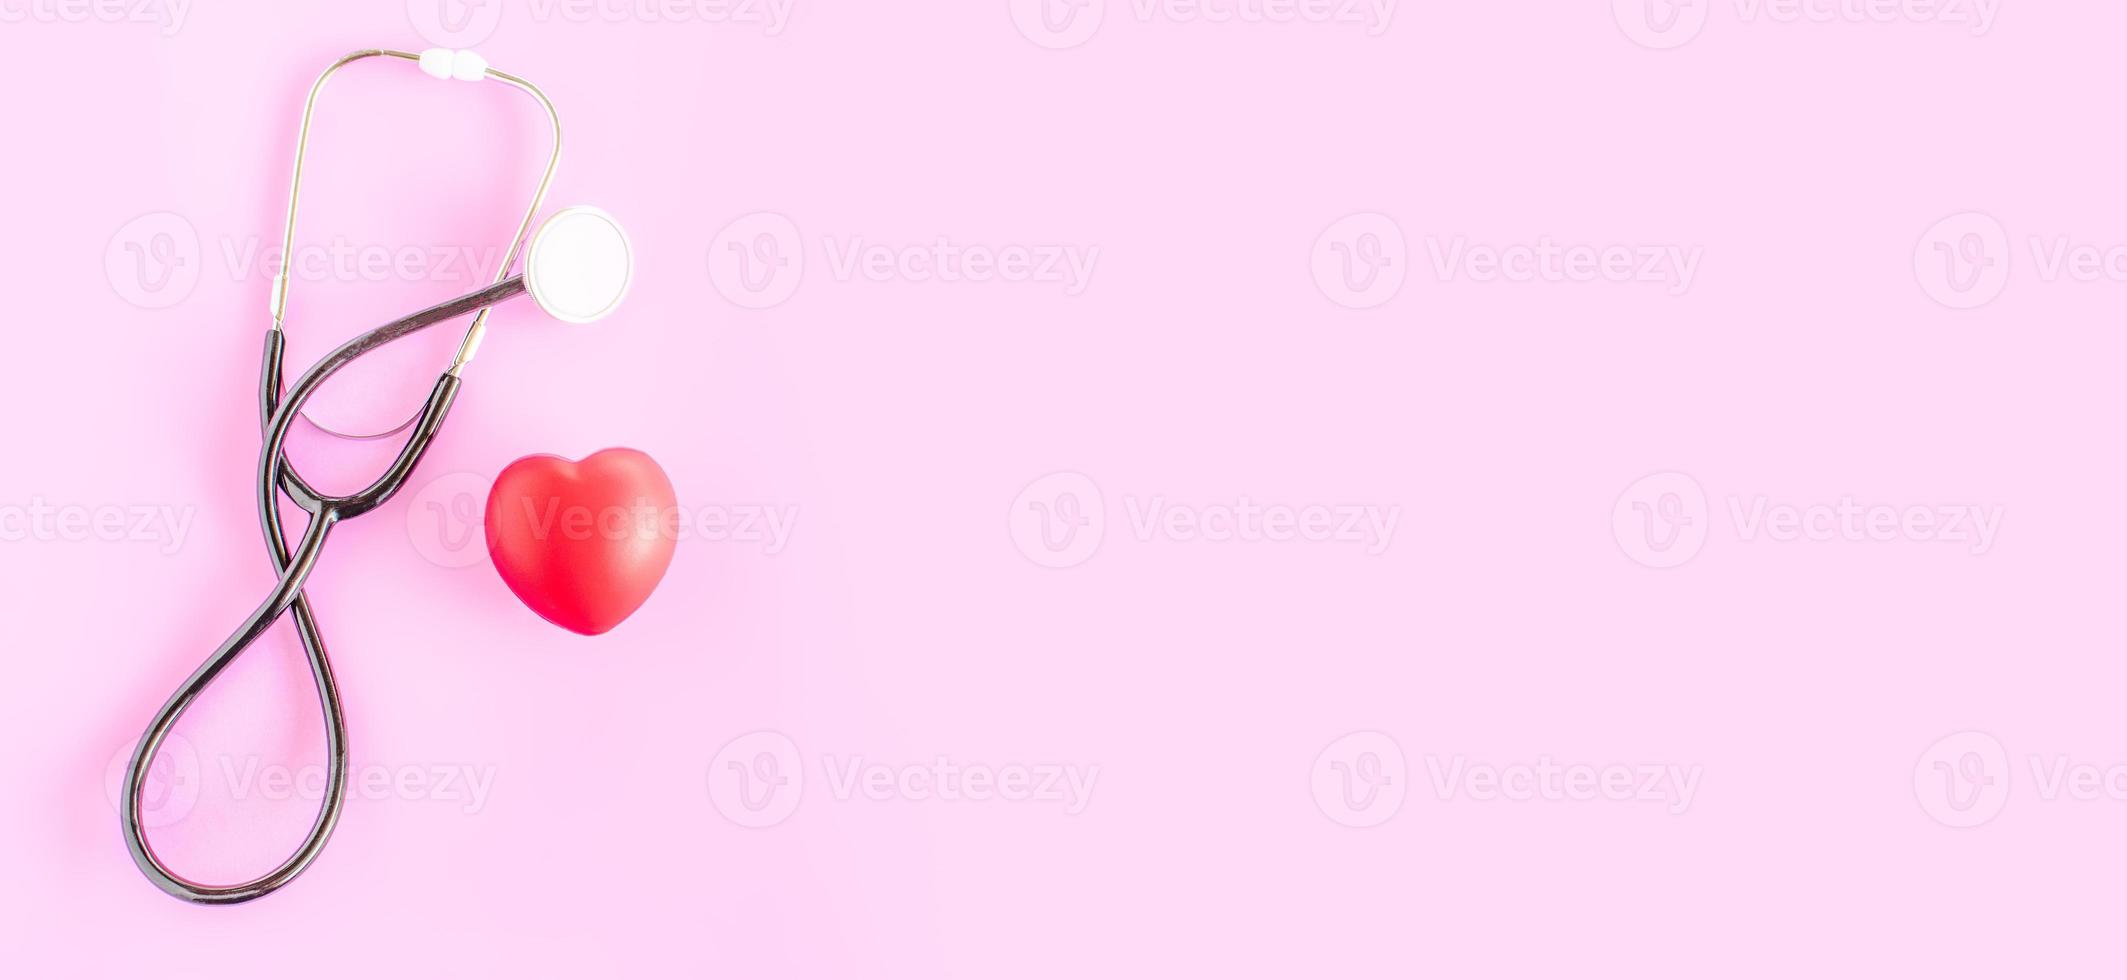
583,544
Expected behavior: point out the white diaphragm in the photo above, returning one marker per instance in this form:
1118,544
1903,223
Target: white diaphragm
579,265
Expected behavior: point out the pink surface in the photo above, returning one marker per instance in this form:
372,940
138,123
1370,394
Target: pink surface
1613,489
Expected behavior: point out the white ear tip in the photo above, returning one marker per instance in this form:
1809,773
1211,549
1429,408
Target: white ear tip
468,66
465,66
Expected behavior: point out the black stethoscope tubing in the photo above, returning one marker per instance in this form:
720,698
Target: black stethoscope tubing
277,476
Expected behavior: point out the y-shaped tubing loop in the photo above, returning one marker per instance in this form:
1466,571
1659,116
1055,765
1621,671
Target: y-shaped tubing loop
294,568
292,482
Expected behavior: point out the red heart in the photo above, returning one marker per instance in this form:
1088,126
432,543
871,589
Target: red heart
582,543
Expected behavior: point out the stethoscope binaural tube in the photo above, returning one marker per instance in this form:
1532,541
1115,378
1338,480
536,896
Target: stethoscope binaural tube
465,66
294,568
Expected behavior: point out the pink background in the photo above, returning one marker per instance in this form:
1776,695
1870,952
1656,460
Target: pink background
1512,617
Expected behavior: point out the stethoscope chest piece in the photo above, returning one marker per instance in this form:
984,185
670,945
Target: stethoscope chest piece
579,265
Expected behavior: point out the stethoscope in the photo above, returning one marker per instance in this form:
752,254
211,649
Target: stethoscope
577,268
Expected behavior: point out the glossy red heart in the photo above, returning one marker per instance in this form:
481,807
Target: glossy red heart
582,543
